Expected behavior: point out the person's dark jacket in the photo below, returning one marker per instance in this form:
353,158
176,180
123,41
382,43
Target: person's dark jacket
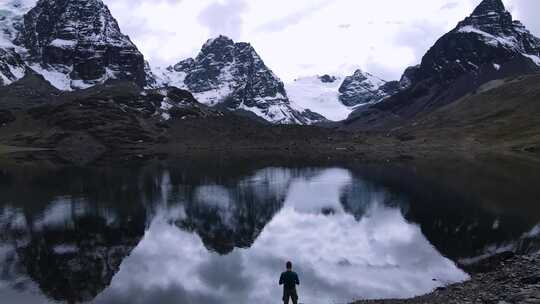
289,279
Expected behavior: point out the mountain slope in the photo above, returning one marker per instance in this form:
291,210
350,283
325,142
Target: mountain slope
113,117
504,113
232,75
485,46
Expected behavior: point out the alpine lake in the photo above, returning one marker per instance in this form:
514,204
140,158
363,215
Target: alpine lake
203,232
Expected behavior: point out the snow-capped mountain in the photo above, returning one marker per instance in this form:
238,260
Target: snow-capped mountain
232,75
74,44
78,43
485,46
486,40
364,88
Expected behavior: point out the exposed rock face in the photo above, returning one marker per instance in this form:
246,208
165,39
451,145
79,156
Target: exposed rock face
409,77
485,46
233,75
77,43
74,44
12,67
363,88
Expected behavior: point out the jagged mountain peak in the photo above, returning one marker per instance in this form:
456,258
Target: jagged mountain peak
489,6
218,42
74,44
489,37
490,17
232,75
67,23
487,45
223,49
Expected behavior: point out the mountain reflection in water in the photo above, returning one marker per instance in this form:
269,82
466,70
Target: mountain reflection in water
193,234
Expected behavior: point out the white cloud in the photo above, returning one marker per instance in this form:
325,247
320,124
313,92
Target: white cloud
386,255
223,18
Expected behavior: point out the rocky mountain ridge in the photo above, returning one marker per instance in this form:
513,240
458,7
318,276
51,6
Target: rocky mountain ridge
485,46
78,44
74,44
489,36
232,75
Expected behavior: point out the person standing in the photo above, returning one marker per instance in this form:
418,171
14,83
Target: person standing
289,280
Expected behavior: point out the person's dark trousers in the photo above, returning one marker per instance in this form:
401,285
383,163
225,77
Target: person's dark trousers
290,294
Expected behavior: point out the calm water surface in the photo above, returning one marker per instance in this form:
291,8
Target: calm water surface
221,234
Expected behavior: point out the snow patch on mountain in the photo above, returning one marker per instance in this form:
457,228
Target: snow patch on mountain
495,27
63,43
318,95
534,58
506,41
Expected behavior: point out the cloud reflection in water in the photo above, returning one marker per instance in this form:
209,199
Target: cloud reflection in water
368,251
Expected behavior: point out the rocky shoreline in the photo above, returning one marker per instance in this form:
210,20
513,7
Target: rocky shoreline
504,279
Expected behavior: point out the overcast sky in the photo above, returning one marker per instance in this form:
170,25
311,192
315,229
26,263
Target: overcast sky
304,37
